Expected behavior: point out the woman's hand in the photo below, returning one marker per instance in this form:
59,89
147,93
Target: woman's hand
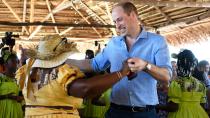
17,98
33,74
125,70
12,97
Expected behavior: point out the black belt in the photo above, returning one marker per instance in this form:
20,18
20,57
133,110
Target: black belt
132,108
54,107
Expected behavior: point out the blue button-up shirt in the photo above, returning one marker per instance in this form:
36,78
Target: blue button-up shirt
141,90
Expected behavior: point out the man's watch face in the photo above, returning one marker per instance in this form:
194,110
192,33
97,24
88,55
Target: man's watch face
149,66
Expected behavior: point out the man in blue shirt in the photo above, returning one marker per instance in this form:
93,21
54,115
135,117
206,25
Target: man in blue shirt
134,98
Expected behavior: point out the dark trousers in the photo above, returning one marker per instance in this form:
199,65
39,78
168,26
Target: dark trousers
116,113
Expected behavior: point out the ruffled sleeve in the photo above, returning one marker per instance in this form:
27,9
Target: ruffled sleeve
20,76
67,74
21,73
174,92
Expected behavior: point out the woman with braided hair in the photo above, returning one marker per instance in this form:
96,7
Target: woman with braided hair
10,100
186,93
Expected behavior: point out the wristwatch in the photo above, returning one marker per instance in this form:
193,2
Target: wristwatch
148,66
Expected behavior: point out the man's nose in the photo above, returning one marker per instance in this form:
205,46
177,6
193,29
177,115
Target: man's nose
117,25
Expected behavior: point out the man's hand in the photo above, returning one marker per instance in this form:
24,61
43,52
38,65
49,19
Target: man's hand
158,73
136,64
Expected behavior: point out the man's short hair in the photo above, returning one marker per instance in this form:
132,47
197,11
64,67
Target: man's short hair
203,63
128,7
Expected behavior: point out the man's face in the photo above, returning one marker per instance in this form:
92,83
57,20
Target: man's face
204,68
207,68
121,20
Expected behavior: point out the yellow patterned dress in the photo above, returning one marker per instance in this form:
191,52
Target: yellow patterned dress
52,93
188,93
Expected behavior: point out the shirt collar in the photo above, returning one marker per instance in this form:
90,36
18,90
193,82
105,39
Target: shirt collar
142,35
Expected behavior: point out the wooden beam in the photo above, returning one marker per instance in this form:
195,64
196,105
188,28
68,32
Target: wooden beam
55,24
85,19
70,28
24,13
49,30
110,18
113,30
195,13
175,15
13,12
164,14
164,3
31,14
146,10
63,5
142,7
24,39
67,30
189,20
93,12
102,10
52,16
154,13
38,2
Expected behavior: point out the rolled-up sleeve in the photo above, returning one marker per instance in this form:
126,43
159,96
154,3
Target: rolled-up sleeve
100,62
162,57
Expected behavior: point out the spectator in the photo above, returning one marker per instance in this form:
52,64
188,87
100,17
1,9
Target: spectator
10,98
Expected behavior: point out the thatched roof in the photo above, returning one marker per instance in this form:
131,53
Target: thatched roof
193,33
84,20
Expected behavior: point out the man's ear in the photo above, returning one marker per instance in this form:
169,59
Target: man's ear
133,14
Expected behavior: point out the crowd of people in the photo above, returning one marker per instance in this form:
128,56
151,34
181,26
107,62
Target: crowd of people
132,77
